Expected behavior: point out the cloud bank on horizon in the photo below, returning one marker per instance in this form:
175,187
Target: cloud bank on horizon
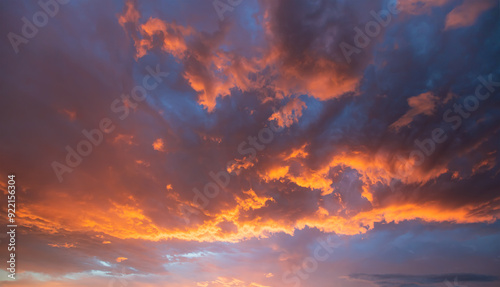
253,143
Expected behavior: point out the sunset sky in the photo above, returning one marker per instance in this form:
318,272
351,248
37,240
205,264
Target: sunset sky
251,143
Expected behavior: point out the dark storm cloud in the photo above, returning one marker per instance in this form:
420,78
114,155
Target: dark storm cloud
401,280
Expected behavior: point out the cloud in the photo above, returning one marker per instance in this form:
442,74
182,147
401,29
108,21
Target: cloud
466,14
227,282
213,72
159,145
400,280
334,168
172,37
423,104
289,113
420,6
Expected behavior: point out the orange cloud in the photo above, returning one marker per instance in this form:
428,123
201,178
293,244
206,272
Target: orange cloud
313,179
485,164
296,153
126,139
65,245
419,6
121,259
380,167
228,282
215,71
467,13
159,145
173,36
275,173
364,221
253,201
128,221
131,15
288,114
237,165
323,80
